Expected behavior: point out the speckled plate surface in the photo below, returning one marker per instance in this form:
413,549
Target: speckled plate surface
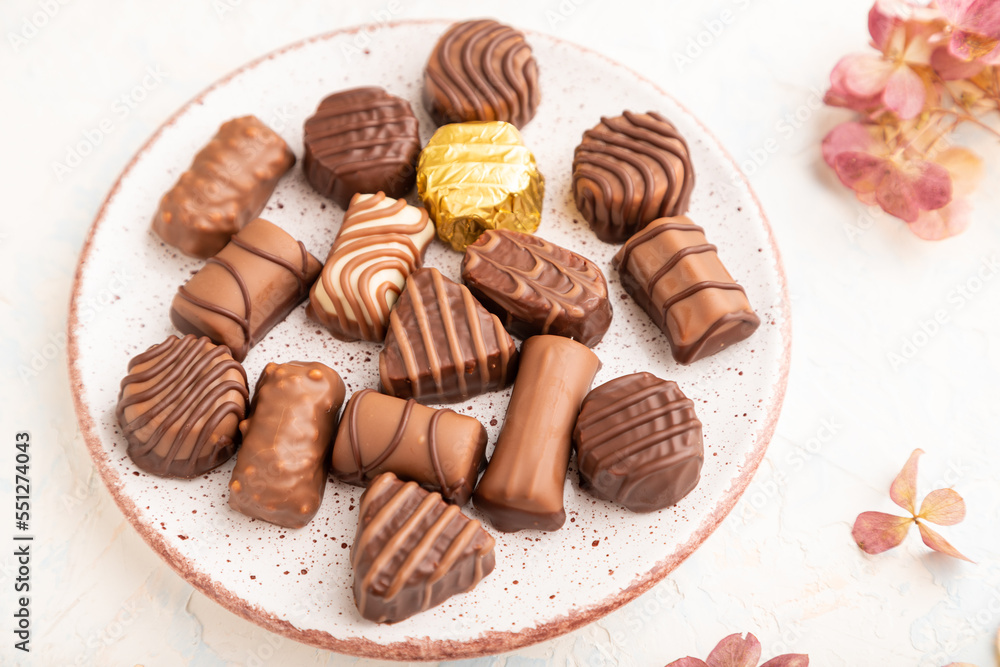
298,582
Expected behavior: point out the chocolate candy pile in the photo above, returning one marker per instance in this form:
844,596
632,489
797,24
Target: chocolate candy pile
185,408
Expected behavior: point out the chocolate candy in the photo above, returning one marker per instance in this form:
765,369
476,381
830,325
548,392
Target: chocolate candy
537,287
523,484
442,345
638,443
381,241
672,271
629,171
281,468
242,292
440,449
361,140
481,70
179,406
225,187
478,176
413,551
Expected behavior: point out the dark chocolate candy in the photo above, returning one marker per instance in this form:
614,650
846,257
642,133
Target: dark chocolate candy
629,171
413,551
282,465
361,141
442,345
638,443
523,484
225,187
537,287
242,292
672,271
180,405
481,70
440,449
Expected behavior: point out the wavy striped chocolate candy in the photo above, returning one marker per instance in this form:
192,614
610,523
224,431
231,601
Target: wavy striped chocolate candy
676,275
381,242
481,70
361,140
638,443
629,171
442,345
180,405
413,551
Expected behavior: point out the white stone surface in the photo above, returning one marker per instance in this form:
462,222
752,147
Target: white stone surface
782,566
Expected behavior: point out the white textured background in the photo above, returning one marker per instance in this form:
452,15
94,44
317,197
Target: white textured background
782,566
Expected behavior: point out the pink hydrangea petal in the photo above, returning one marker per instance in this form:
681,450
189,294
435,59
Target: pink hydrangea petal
897,196
862,172
904,488
951,68
841,95
954,10
688,662
735,651
943,223
876,532
885,17
943,507
967,45
905,93
934,540
931,184
865,75
788,660
983,17
964,167
846,137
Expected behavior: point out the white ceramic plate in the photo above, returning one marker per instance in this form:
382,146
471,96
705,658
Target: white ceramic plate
298,582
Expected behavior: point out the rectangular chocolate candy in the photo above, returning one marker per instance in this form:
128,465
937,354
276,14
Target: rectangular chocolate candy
226,186
523,484
440,449
242,292
281,469
675,274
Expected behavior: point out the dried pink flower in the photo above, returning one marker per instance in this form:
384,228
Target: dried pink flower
739,651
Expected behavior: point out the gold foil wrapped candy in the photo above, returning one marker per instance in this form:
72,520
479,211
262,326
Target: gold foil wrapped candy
477,176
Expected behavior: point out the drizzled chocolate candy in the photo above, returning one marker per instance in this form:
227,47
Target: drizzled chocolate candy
281,468
442,345
537,287
413,551
638,443
440,449
523,484
481,70
242,292
381,242
629,171
361,140
179,406
676,275
226,186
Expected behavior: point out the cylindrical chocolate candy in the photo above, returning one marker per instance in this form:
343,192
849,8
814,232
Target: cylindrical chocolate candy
440,449
281,469
523,484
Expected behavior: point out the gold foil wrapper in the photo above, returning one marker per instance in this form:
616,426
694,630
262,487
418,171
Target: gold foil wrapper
477,176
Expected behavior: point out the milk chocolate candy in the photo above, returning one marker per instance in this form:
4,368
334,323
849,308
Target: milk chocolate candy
442,345
629,171
537,287
361,140
413,551
672,271
523,484
381,242
440,449
180,405
226,186
481,70
638,443
281,468
242,292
